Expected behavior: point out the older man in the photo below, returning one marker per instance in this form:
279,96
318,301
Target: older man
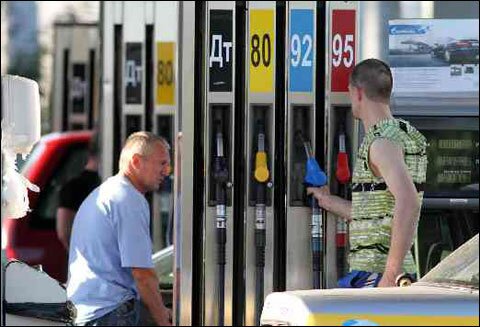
110,265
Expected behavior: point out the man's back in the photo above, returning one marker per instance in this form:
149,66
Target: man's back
372,202
110,235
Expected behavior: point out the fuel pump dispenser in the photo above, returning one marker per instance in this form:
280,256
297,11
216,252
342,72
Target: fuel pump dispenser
165,105
75,87
219,132
138,90
342,49
255,76
304,143
261,142
127,36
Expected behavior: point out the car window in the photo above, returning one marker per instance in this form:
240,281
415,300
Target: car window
71,165
24,163
440,232
458,269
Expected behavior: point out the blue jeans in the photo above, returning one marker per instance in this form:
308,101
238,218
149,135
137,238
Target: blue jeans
126,314
359,279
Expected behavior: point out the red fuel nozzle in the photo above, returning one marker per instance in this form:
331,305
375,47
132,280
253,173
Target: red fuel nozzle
343,170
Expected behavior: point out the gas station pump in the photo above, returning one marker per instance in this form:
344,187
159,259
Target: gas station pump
219,140
262,133
247,114
342,127
166,104
124,106
75,88
139,75
305,114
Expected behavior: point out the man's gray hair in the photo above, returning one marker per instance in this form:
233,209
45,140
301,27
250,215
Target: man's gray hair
139,143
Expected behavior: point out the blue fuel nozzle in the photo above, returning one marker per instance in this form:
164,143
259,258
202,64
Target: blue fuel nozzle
314,177
314,174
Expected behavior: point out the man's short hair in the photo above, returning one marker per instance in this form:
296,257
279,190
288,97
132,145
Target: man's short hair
139,143
375,78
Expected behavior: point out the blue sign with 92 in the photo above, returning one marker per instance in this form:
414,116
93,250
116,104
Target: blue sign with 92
301,53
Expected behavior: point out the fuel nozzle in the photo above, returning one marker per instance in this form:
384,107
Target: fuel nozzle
314,175
342,171
220,171
261,172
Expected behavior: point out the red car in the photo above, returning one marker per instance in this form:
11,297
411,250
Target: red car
55,159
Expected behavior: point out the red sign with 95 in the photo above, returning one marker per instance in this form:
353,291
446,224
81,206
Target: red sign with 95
343,48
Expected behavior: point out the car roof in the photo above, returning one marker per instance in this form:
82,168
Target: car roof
67,137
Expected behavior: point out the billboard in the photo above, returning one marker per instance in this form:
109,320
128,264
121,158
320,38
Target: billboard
434,55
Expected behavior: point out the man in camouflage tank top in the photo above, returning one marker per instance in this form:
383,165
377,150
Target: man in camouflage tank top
387,184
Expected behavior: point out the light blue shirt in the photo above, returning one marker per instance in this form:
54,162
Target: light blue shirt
110,234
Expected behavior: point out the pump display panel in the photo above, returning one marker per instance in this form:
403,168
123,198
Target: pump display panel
452,152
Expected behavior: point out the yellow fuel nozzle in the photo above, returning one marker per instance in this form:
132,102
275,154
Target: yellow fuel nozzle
261,172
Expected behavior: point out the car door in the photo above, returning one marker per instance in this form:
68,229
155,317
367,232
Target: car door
42,222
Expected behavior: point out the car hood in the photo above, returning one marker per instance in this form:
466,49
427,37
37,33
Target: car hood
417,304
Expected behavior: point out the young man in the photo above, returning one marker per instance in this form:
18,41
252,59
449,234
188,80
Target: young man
387,184
110,261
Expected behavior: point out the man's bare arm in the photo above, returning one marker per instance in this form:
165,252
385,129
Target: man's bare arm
387,158
147,284
65,218
332,203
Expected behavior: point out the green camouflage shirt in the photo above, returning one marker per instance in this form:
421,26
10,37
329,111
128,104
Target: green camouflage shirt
372,202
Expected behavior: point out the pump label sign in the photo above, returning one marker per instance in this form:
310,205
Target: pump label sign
262,50
343,48
165,73
133,73
220,59
301,56
78,88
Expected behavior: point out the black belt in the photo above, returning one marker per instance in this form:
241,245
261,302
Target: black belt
365,187
377,246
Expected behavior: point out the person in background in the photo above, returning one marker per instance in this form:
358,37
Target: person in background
74,192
